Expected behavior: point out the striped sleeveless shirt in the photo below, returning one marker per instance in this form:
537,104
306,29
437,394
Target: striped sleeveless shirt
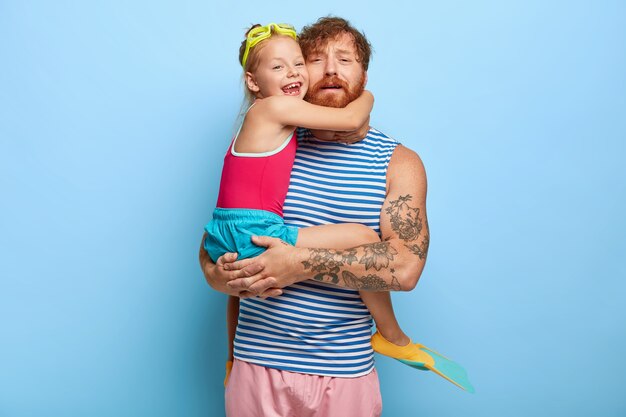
317,328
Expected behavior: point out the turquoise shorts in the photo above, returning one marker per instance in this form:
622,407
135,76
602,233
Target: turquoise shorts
231,230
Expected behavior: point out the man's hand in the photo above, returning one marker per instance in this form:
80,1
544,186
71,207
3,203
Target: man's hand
276,268
218,277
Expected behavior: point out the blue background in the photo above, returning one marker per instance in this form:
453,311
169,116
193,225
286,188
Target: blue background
113,121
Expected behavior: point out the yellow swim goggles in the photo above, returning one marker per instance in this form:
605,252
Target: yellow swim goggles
260,33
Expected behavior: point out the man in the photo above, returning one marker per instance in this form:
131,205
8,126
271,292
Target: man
307,351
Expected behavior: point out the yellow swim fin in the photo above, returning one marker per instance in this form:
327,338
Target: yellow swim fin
420,357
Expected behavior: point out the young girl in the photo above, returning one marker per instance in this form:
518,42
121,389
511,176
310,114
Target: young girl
258,165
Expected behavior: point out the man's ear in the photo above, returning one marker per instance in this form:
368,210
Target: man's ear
251,83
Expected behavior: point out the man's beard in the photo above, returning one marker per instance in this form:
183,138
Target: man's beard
318,95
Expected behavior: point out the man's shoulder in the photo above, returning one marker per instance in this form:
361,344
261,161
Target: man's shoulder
376,135
405,164
401,152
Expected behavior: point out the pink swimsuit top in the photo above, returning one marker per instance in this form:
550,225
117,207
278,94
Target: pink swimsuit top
257,180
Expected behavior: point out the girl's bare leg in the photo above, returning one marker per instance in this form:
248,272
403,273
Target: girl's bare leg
349,235
232,316
379,305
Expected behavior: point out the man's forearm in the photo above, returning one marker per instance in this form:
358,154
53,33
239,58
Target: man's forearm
395,264
384,266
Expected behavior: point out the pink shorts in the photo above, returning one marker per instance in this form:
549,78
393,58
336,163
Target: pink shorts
254,390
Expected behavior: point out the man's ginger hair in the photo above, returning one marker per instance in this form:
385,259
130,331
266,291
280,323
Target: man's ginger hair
316,36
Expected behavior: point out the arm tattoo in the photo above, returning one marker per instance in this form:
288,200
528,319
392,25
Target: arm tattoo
327,266
405,220
407,223
370,282
378,255
327,262
420,250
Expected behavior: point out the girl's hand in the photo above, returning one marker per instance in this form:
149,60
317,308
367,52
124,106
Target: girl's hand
354,135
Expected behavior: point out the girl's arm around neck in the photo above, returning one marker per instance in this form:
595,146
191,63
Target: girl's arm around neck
293,111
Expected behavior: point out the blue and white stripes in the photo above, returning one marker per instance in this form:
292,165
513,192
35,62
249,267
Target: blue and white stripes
317,328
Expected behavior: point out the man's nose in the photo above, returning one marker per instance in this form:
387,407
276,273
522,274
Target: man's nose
331,67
